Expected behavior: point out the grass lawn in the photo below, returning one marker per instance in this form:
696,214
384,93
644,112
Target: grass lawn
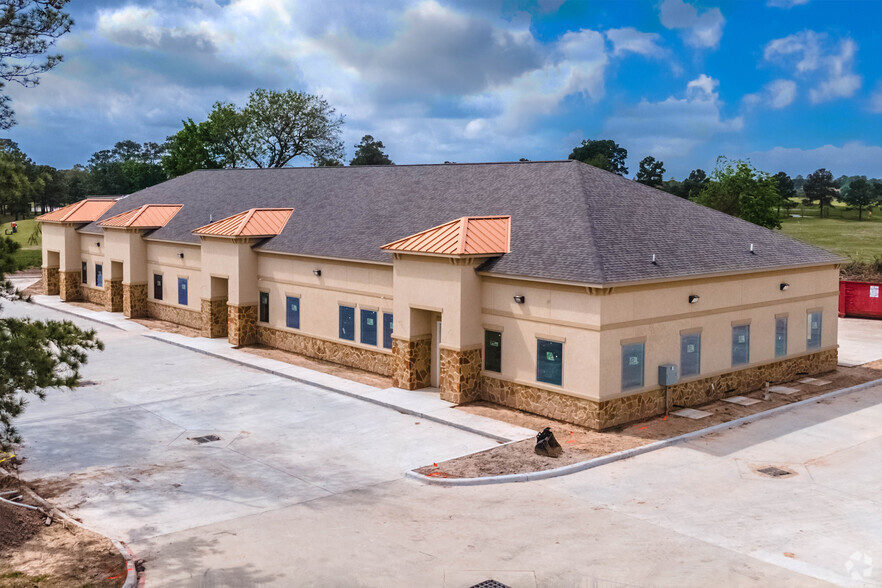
28,255
841,233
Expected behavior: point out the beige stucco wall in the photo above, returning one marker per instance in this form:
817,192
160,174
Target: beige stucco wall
438,285
235,261
92,254
130,249
342,283
567,314
163,258
659,313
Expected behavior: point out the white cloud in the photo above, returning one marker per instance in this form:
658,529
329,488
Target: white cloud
854,158
876,99
630,40
816,53
781,93
786,3
701,29
673,127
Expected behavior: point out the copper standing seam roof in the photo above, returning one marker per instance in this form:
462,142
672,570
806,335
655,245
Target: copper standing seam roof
254,222
84,211
468,235
149,216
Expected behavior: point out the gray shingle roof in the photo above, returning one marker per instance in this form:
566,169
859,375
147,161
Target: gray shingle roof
570,221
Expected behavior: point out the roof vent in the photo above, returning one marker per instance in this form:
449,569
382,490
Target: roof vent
751,249
654,262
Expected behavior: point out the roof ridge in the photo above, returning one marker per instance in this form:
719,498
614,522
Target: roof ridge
248,214
580,169
76,206
461,246
394,166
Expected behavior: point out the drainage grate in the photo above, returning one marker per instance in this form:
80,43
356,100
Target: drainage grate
774,472
490,584
205,439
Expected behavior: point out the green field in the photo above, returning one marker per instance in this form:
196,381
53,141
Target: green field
841,233
28,255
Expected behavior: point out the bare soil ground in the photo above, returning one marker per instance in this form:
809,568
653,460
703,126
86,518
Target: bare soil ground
168,327
57,556
581,444
326,367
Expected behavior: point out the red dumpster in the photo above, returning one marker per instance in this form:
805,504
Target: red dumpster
860,299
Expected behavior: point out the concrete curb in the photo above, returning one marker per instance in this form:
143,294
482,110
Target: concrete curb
396,407
128,555
613,457
76,314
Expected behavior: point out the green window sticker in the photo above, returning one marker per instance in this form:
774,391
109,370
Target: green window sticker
549,356
496,344
633,360
690,349
370,322
742,338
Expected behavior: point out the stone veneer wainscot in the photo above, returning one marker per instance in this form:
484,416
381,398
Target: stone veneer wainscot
340,353
174,314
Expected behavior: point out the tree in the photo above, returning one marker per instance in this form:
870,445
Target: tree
861,194
694,184
738,189
820,186
603,153
18,181
27,29
786,191
370,152
34,355
126,168
651,172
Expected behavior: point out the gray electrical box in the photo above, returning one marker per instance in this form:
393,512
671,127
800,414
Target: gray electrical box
667,374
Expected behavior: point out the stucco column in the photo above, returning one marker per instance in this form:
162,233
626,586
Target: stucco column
215,317
241,324
134,300
113,295
411,362
50,280
70,285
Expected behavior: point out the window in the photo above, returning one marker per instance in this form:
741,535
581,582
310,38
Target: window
182,291
387,330
493,351
347,323
85,273
263,307
292,312
549,362
813,328
740,344
157,286
369,327
632,365
99,275
781,336
690,354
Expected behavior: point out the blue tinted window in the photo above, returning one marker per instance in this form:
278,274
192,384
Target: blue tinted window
549,362
347,323
99,274
690,354
182,291
632,365
814,331
387,330
292,312
740,344
369,327
781,336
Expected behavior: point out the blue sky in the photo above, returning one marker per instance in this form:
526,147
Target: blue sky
792,85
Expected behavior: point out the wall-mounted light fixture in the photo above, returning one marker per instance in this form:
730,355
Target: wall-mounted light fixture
519,299
784,286
693,298
317,272
181,255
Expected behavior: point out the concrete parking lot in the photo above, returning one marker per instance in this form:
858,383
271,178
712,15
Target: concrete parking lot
306,487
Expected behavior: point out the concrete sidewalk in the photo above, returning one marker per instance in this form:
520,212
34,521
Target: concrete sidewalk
860,341
423,403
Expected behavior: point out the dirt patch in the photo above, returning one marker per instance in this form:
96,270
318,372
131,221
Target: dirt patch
581,443
88,306
168,327
326,367
54,556
35,289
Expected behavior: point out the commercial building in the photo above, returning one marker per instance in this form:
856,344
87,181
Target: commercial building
552,287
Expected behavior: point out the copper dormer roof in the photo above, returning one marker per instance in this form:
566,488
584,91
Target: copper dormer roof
468,235
255,222
149,216
84,211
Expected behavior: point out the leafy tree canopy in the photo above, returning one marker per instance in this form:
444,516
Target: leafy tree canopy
28,28
651,172
821,188
738,189
127,167
861,194
603,153
370,152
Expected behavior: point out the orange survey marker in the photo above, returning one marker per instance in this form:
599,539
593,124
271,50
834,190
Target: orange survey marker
6,456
